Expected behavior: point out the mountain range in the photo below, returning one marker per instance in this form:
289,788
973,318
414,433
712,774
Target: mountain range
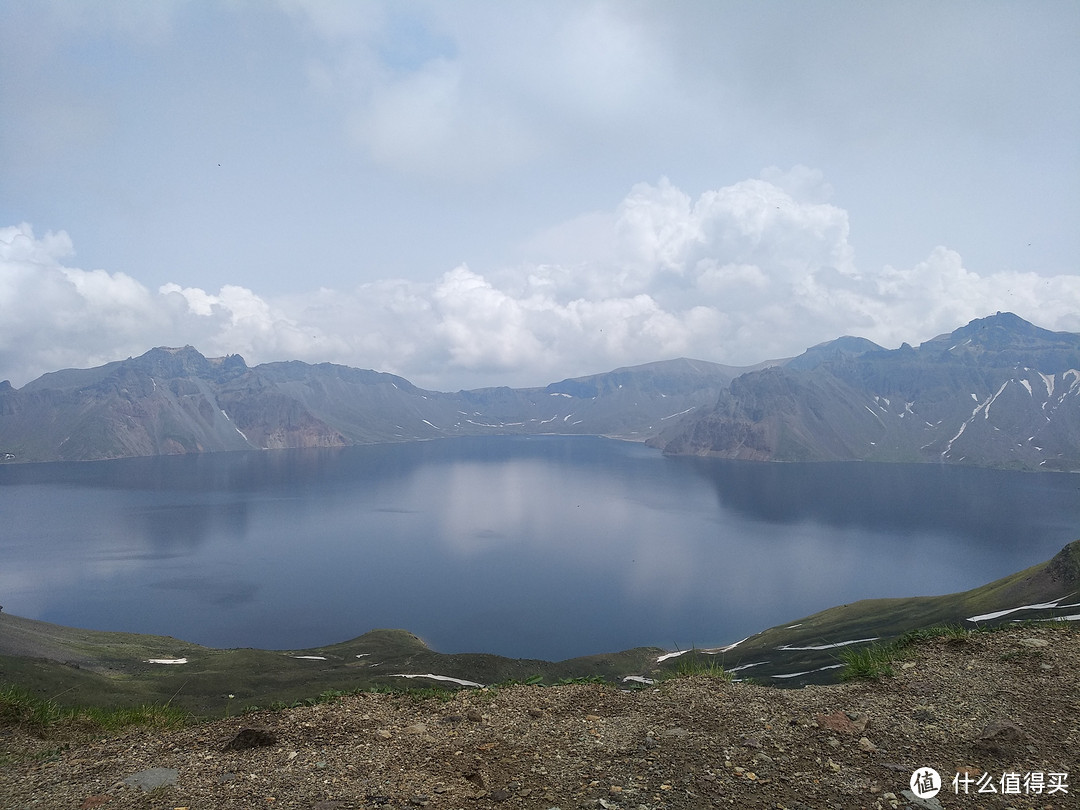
997,392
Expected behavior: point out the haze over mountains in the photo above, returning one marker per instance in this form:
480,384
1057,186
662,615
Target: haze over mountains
997,392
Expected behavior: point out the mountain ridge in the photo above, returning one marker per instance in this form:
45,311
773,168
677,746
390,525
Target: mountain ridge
175,400
998,392
845,399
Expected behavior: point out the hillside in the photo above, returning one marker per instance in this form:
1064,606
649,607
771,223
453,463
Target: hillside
94,667
984,705
170,401
998,392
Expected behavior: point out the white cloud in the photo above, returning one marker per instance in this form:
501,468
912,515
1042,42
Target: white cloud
458,92
740,274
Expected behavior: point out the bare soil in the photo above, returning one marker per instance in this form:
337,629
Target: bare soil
989,705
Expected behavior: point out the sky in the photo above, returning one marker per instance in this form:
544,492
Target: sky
478,193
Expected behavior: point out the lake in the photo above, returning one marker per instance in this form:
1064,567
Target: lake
541,547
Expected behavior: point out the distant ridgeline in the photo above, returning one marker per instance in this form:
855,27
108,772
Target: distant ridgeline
998,392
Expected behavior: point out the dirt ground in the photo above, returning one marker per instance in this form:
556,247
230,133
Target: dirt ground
987,707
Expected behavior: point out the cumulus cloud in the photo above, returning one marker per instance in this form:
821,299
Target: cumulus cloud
756,270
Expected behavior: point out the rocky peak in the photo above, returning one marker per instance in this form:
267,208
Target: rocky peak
833,350
1004,334
169,363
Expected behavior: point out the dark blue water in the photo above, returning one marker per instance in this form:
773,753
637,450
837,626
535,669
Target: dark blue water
546,547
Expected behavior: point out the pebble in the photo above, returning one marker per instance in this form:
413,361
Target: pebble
153,778
247,738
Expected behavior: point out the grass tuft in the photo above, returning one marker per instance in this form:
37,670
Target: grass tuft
693,665
19,707
876,660
952,632
870,662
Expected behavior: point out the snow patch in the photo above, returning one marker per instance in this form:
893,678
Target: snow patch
982,617
310,657
747,666
166,660
1048,380
989,402
829,646
948,446
713,651
807,672
680,413
446,678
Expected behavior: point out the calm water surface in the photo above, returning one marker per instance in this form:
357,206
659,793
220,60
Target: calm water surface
545,547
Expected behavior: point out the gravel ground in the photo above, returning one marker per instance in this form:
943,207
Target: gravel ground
991,705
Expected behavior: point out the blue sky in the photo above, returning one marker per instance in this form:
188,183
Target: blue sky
475,193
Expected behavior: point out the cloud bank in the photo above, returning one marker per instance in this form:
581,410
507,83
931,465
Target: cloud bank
756,270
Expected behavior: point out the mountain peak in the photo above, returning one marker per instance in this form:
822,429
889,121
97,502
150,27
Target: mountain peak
1001,324
838,349
1005,334
169,362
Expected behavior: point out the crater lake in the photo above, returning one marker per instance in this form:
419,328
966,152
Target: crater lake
540,547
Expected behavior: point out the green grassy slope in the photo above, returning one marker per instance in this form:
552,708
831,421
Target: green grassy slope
96,668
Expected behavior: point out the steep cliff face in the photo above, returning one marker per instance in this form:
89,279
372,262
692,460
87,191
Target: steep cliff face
160,403
997,392
780,415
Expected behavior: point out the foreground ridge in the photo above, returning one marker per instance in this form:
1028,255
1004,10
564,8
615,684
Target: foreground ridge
985,704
